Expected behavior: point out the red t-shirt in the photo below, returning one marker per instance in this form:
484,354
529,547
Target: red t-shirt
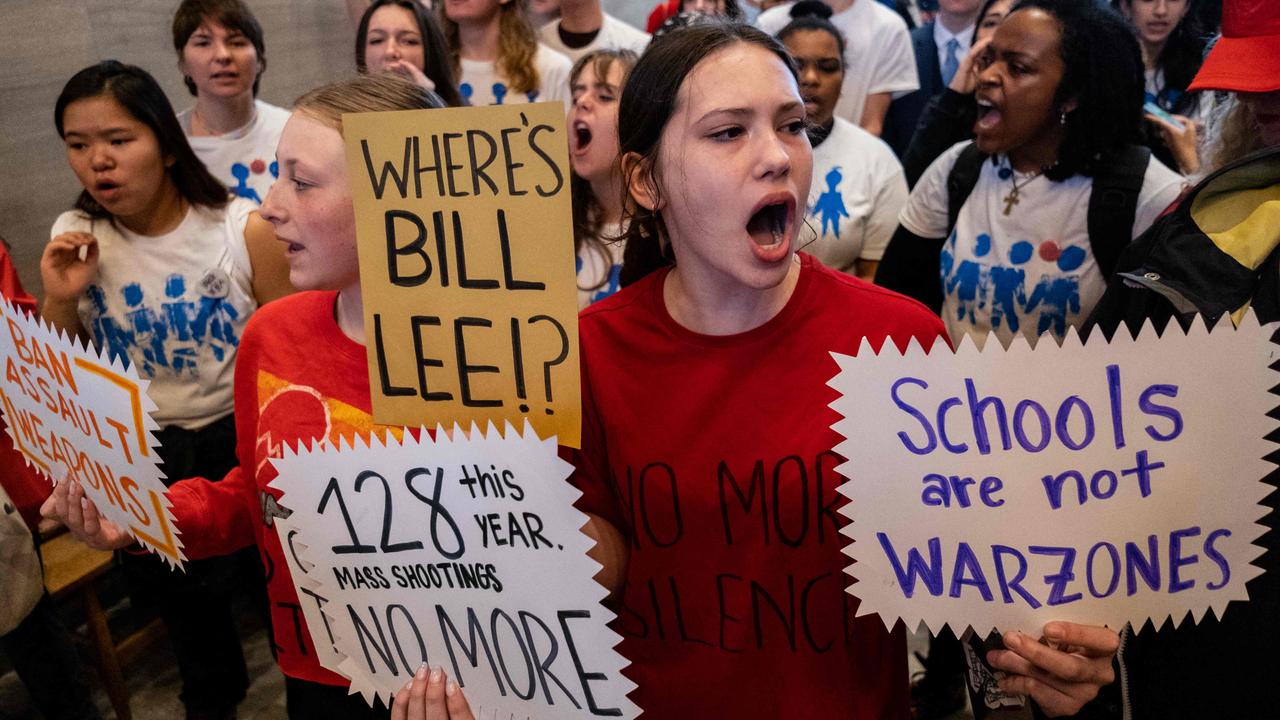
713,456
298,378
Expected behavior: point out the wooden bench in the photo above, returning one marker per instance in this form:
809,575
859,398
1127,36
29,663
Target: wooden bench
72,568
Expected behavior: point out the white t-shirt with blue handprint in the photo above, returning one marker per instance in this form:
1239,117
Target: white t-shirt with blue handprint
599,267
1029,272
480,83
244,159
173,306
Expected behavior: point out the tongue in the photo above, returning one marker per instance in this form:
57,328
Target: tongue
989,119
766,227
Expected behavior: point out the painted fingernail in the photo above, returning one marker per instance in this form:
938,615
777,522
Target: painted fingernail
451,689
84,503
435,675
421,674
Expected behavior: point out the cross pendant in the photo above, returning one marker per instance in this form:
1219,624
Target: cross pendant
1010,200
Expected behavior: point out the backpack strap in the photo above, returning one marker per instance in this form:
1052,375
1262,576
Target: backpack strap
1113,203
961,180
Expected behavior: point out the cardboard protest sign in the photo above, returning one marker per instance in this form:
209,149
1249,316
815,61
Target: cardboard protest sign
73,412
467,266
1099,483
464,553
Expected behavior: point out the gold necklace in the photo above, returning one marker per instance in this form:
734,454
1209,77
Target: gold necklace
1012,198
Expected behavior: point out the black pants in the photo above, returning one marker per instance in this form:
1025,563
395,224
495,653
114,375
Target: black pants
44,656
314,701
196,605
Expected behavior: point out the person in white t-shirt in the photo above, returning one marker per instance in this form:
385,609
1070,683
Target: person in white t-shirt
498,56
858,185
598,225
222,56
583,28
1019,260
404,37
159,269
881,64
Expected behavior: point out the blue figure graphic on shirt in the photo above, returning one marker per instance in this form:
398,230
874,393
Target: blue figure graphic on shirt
830,205
106,331
242,189
149,330
1060,294
465,90
274,168
533,95
499,92
969,283
611,285
1008,292
172,336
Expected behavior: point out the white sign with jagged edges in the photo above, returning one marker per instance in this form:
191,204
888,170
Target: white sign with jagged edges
74,412
464,553
1098,483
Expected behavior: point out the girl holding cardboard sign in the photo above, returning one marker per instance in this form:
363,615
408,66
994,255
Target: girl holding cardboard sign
715,499
157,265
301,376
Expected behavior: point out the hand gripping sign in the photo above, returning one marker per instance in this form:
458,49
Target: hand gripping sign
464,553
1099,483
72,412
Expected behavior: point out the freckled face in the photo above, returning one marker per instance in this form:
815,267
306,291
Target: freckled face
311,208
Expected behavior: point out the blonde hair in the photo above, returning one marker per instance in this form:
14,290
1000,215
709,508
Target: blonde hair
517,44
364,93
1235,131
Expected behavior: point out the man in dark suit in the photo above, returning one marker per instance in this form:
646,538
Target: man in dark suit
939,46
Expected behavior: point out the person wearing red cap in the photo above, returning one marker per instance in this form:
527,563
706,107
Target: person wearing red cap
1228,666
1246,61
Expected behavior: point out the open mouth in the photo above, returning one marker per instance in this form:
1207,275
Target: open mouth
106,189
581,135
988,115
224,75
768,225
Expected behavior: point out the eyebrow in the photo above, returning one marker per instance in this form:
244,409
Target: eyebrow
746,112
105,131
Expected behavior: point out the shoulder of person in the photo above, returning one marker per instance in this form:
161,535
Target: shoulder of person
773,19
72,221
940,168
888,20
622,27
271,114
236,214
1160,180
619,306
873,299
549,34
548,58
874,147
292,311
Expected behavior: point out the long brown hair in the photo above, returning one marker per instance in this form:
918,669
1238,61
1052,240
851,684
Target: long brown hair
587,220
517,44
